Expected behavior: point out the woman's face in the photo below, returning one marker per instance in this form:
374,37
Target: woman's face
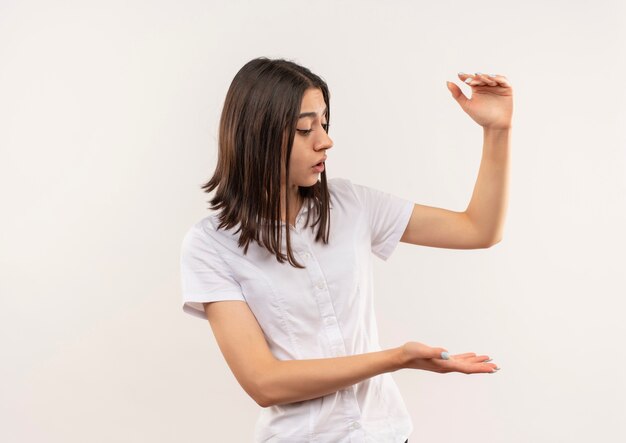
310,142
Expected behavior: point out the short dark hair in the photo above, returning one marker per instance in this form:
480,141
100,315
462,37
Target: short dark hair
256,132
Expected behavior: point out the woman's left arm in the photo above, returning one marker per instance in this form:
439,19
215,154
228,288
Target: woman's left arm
482,223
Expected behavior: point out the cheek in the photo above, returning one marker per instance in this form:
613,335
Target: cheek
297,160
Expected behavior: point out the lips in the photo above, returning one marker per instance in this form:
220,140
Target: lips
321,161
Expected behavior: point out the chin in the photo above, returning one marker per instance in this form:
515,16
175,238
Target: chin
315,180
308,182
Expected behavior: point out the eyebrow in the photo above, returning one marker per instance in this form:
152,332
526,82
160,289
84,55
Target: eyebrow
311,114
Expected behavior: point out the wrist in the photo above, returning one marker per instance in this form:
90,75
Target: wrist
399,358
497,130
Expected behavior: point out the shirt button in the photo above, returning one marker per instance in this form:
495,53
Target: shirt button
320,284
356,425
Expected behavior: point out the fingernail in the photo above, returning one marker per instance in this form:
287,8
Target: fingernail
478,73
488,360
491,75
495,370
468,80
445,355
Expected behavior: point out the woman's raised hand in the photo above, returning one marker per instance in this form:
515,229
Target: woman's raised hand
420,356
491,104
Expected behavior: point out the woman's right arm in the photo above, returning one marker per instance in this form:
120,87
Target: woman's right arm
270,381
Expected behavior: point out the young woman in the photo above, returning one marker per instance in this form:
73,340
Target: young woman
283,269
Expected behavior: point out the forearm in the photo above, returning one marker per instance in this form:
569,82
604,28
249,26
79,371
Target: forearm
487,208
288,381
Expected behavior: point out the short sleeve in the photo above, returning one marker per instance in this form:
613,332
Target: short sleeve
205,276
388,216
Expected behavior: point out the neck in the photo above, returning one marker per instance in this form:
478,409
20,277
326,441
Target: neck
295,202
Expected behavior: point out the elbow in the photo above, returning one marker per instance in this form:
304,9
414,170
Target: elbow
265,383
263,400
256,392
491,242
487,243
263,403
255,389
270,391
262,393
260,397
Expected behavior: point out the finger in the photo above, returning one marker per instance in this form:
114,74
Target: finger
465,355
474,81
492,368
470,357
480,359
466,367
480,368
482,362
457,94
474,356
479,78
489,368
485,78
501,79
470,79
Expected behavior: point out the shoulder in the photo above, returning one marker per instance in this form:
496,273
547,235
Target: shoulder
335,182
195,240
205,236
341,189
346,189
199,231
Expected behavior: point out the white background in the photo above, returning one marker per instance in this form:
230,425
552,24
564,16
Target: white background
108,126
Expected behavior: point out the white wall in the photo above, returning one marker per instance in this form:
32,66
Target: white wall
108,125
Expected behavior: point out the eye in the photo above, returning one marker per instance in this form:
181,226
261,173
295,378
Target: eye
306,132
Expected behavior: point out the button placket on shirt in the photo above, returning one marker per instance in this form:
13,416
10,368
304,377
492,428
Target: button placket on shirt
331,326
325,305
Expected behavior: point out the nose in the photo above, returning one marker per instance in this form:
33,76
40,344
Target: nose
325,141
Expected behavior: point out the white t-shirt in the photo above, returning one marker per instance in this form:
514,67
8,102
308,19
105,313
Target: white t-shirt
325,310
